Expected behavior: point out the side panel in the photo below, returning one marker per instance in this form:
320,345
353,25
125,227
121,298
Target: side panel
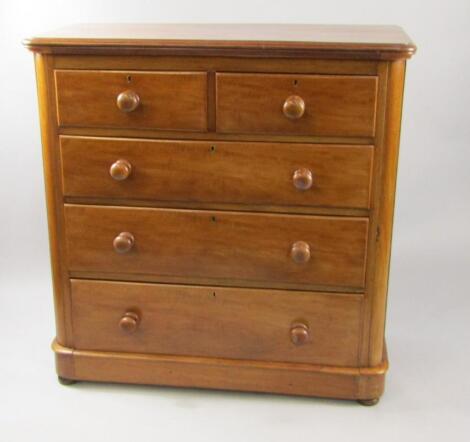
391,84
54,198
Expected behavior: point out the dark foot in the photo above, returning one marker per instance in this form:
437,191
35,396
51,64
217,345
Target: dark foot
369,402
65,381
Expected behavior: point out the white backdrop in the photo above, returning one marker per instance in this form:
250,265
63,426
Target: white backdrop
428,390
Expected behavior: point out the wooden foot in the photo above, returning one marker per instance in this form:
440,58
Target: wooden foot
368,402
65,381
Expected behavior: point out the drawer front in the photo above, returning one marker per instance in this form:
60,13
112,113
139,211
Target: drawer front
231,247
317,105
223,172
216,322
162,100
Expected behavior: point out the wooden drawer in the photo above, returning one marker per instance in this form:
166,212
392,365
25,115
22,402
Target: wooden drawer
231,247
333,105
164,100
274,174
216,322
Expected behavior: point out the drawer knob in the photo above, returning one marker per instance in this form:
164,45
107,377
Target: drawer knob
294,107
299,333
129,322
120,170
124,242
302,178
128,101
300,252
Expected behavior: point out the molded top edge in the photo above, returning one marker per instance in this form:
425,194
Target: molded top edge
367,41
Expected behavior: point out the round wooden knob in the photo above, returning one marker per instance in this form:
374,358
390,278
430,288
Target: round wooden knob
120,170
302,179
294,107
299,333
129,322
124,242
128,101
300,252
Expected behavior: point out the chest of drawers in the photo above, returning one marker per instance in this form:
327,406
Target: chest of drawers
220,202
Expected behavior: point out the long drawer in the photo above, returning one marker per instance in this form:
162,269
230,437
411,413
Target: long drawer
133,100
271,325
275,174
321,105
233,247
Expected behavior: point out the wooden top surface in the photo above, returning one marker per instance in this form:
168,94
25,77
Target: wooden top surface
351,41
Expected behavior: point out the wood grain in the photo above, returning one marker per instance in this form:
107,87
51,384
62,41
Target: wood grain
168,100
295,210
217,172
209,136
210,281
375,42
334,105
165,150
383,202
216,322
226,245
52,179
212,64
225,374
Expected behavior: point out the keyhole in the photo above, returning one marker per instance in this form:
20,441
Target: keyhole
212,149
296,82
129,78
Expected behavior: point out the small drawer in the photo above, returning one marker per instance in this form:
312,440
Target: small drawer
263,174
250,324
230,248
133,100
315,105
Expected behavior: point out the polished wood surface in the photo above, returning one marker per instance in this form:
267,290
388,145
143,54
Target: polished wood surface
221,172
302,178
380,234
217,322
54,198
294,107
321,105
300,252
129,322
238,247
299,333
124,242
359,41
120,170
158,100
217,64
185,176
226,374
128,101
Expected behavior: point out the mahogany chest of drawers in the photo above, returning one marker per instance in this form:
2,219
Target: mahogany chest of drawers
220,202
